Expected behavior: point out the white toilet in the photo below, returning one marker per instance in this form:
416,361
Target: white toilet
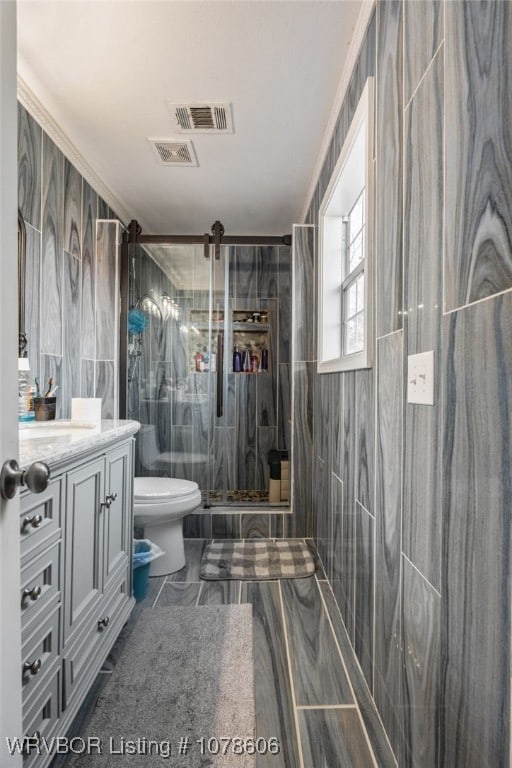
159,505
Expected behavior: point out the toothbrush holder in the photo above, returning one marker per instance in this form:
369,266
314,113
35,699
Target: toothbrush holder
44,408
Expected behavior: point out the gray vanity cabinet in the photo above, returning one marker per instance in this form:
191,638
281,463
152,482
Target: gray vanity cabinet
76,583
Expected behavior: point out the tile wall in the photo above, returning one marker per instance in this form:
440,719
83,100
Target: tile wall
412,503
72,240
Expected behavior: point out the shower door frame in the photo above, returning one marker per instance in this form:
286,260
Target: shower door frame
133,237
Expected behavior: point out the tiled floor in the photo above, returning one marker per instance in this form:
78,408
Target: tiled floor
310,692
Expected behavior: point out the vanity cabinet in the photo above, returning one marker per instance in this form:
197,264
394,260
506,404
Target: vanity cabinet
76,583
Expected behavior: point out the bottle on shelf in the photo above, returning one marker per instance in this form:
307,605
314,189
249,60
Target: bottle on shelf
237,360
23,396
264,359
247,364
255,363
206,360
199,361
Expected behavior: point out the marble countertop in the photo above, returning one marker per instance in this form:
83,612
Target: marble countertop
56,441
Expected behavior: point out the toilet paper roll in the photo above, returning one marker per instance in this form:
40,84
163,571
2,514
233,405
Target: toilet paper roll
86,409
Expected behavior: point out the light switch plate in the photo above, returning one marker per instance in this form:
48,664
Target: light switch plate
420,378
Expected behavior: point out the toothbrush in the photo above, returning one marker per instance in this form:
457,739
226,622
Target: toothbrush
52,393
50,382
38,391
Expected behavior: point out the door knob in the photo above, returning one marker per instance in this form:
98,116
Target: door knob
36,478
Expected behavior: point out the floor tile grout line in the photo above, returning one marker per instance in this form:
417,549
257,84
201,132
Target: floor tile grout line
348,677
326,706
290,677
159,592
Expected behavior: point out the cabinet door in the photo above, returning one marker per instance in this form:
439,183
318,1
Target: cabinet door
85,493
117,518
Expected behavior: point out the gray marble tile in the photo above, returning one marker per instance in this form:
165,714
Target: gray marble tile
284,303
274,703
198,526
266,440
316,668
106,269
388,140
283,406
88,378
388,532
372,722
344,563
321,510
277,526
333,737
89,206
364,438
336,547
51,249
421,643
194,549
268,271
336,422
478,146
303,293
71,307
475,610
33,298
423,249
423,33
364,583
102,209
256,526
301,523
72,210
219,593
246,431
322,426
245,270
29,168
51,366
225,526
175,593
266,393
105,388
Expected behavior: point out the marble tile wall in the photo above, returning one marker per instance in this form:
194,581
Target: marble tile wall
70,300
414,531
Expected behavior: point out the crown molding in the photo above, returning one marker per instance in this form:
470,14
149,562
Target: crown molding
29,100
356,42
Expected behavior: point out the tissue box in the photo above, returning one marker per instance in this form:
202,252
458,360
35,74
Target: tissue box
86,409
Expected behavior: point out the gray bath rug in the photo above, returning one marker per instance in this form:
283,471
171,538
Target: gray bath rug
183,687
256,559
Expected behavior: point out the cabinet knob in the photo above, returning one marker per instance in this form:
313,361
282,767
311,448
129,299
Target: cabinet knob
32,666
103,622
36,478
35,521
34,593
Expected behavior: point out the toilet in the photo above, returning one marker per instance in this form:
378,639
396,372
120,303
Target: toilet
159,506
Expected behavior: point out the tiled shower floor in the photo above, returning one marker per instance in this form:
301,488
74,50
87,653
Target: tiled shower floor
310,692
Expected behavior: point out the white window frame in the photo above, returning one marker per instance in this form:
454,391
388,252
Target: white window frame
354,172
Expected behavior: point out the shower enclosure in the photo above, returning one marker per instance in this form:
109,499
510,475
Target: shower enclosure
207,365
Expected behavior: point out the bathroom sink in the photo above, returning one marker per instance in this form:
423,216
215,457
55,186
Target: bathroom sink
61,428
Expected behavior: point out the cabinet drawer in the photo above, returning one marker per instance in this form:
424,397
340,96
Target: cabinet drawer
39,651
40,519
40,587
42,718
83,661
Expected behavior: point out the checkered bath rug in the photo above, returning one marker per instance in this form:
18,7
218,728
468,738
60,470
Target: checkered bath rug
256,560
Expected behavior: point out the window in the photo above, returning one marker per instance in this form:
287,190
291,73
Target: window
345,276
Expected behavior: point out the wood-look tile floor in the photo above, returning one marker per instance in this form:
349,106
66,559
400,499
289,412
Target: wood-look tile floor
310,692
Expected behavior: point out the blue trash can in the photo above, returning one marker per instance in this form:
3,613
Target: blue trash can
144,552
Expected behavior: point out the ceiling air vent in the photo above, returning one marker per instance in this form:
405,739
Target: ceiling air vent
172,152
202,117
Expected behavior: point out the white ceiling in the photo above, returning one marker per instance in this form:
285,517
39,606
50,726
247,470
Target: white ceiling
104,71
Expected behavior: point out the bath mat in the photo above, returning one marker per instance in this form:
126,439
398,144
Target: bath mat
256,560
184,681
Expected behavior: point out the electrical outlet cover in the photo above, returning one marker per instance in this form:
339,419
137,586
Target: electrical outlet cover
420,378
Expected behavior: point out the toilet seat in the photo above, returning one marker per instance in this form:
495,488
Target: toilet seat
158,490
